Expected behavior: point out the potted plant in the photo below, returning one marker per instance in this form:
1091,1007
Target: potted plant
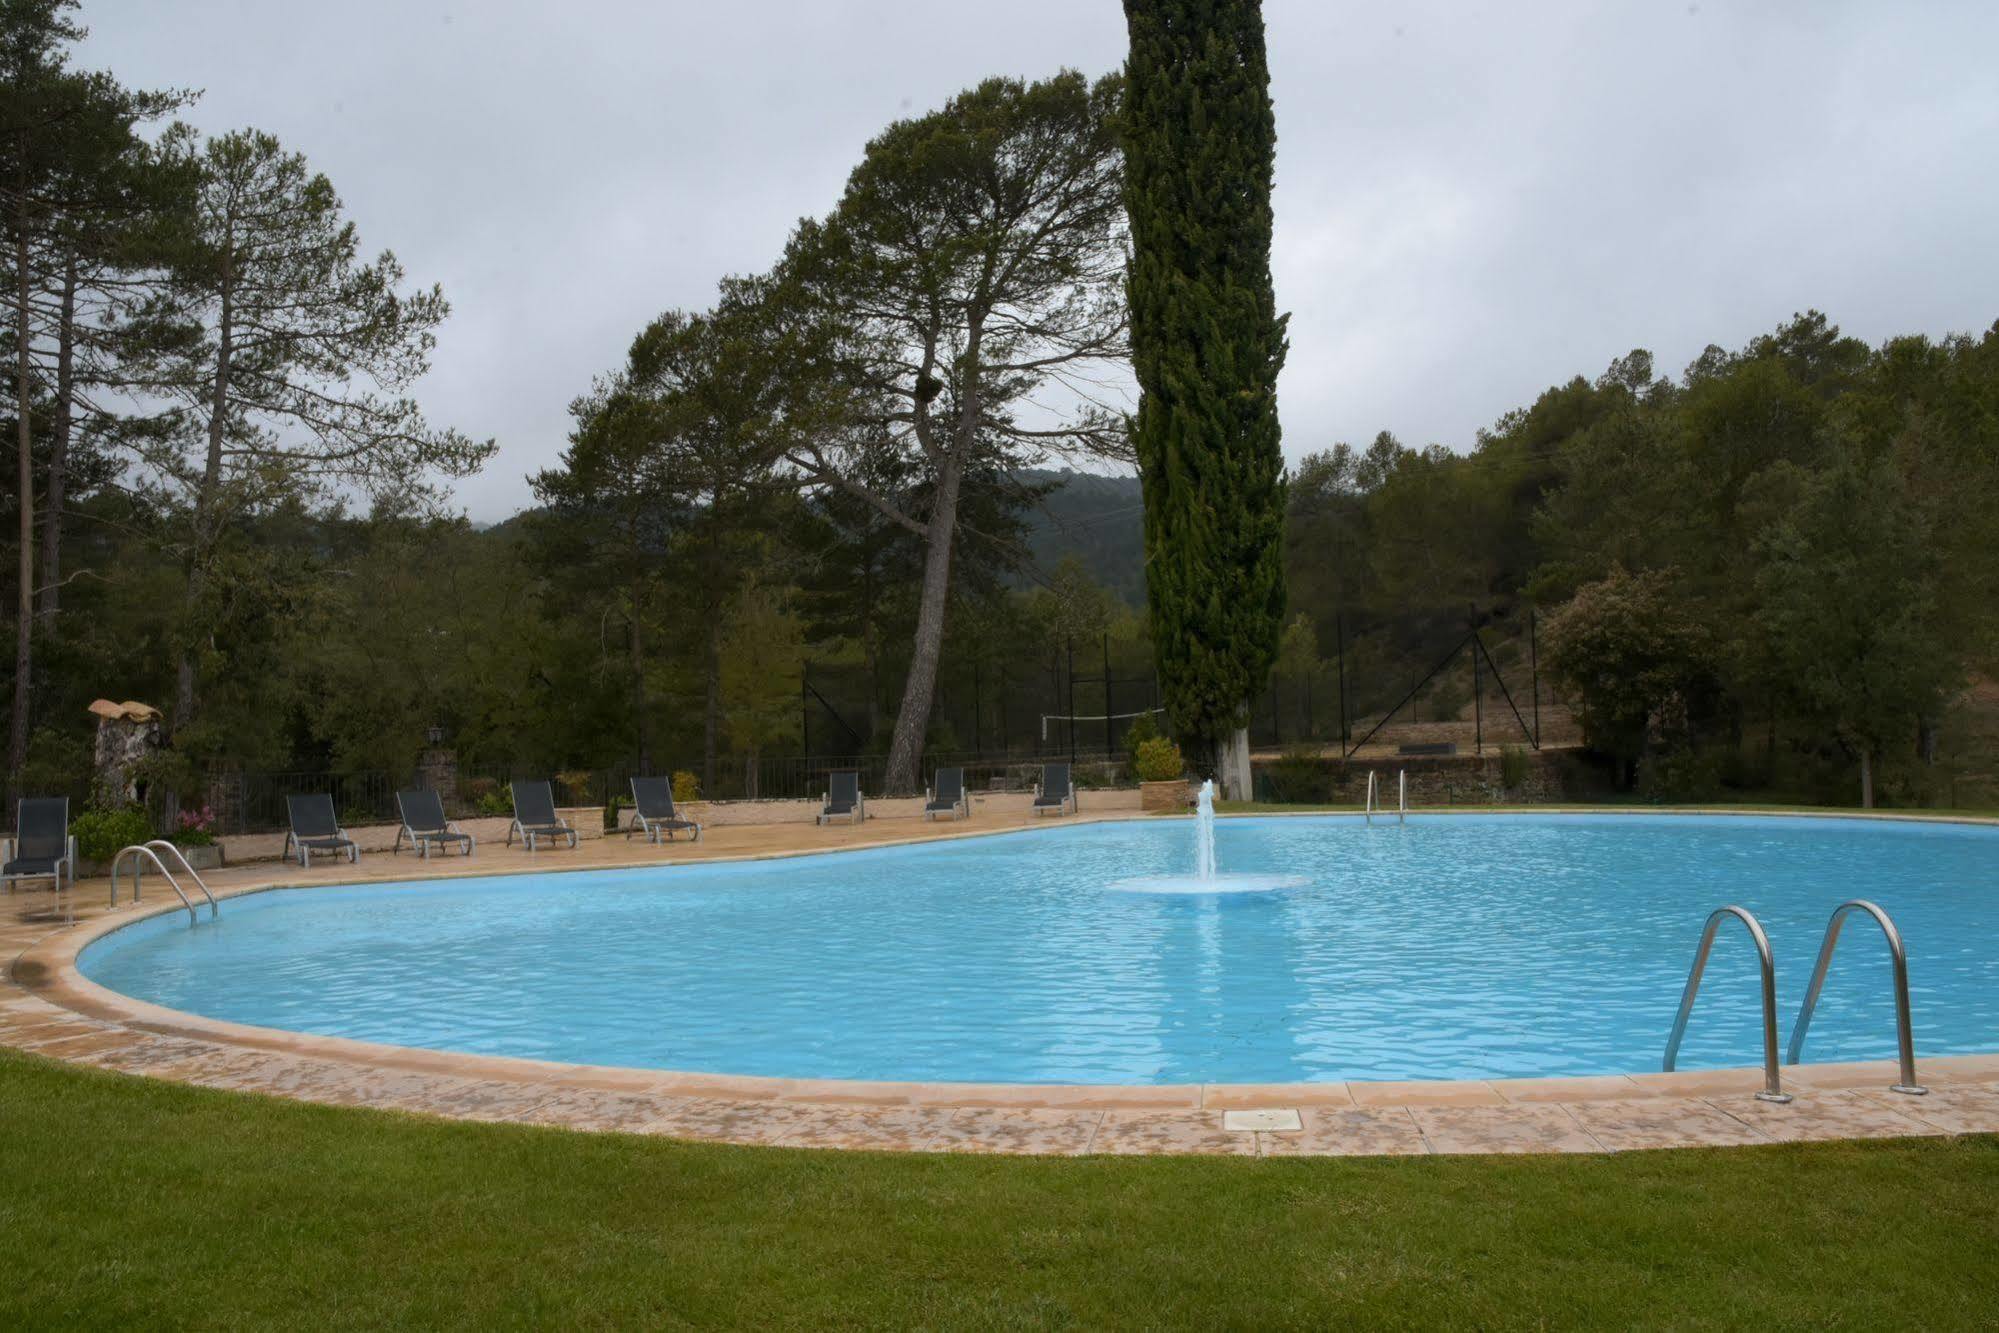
100,833
1162,782
194,834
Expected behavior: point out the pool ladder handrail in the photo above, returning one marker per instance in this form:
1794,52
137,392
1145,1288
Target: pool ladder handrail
1904,1038
151,852
1773,1088
1402,797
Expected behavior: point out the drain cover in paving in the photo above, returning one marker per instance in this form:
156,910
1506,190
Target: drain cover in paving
1279,1121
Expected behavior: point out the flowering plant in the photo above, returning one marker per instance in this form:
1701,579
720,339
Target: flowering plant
194,828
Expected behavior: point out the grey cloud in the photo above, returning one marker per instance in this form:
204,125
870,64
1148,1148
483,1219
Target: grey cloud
1474,201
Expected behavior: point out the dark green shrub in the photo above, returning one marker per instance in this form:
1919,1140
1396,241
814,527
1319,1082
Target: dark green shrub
100,834
1299,777
1158,760
1141,730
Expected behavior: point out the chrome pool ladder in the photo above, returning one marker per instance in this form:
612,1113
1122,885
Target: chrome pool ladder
151,852
1401,802
1773,1088
1904,1039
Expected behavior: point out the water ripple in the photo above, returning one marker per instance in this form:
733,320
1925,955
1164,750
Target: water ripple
1452,947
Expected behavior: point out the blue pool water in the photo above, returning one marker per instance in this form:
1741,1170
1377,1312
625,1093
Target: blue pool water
1453,947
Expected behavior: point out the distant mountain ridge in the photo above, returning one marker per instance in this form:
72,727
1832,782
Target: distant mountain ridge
1099,520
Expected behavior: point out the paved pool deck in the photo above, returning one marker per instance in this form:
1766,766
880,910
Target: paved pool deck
48,1008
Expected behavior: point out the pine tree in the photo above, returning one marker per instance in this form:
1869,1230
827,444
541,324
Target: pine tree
1207,343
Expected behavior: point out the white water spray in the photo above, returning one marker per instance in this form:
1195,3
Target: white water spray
1206,878
1204,833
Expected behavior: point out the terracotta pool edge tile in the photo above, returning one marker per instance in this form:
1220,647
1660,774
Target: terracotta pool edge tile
78,1019
1468,1092
1259,1096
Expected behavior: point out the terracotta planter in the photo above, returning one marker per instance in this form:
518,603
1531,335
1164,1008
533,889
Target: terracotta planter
1171,797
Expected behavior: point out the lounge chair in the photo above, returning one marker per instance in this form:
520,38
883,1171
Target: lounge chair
41,847
315,828
948,796
1055,794
535,817
653,813
843,797
424,822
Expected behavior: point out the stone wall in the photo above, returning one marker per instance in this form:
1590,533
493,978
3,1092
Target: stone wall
1544,777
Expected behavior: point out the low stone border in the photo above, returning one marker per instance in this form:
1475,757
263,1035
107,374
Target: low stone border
51,1009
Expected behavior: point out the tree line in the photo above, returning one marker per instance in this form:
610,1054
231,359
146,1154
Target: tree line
1774,565
802,508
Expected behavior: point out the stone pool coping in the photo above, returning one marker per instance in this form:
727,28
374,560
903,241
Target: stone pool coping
50,1008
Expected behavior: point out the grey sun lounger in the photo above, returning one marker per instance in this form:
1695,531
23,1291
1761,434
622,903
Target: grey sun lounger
535,817
1055,794
424,823
843,797
41,847
653,813
948,796
316,828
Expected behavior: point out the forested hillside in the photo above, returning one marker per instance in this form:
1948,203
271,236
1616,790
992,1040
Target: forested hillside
1746,576
850,509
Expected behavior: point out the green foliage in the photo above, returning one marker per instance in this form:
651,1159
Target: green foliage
1848,608
292,361
1684,772
1299,776
100,834
1629,652
1207,345
1512,767
1158,760
489,798
1141,729
972,262
686,787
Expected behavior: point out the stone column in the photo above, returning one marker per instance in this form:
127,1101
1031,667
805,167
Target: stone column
437,769
127,734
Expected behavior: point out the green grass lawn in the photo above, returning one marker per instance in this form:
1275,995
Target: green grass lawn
126,1201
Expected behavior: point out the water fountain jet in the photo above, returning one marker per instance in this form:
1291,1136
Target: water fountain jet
1206,877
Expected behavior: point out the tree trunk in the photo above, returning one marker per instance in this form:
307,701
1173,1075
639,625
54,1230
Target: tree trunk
204,507
1866,777
639,691
206,528
51,598
17,742
711,713
1234,750
912,719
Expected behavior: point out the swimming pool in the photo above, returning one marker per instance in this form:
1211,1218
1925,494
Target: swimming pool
1459,946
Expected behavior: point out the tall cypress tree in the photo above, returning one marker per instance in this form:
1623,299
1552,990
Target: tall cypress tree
1207,343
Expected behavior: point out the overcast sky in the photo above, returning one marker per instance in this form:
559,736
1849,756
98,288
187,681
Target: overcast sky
1474,201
